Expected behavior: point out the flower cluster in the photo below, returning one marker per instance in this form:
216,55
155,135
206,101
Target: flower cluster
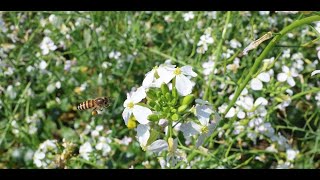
163,106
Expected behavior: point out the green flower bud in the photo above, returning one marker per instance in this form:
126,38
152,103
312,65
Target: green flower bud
168,96
182,108
173,110
174,93
164,88
151,103
175,117
151,94
153,117
187,99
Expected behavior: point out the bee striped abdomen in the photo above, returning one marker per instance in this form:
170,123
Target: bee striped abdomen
86,105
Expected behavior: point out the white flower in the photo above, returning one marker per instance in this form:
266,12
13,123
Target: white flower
141,113
315,72
205,128
103,145
204,41
43,65
152,81
114,54
256,83
187,16
235,44
287,75
46,45
291,154
85,150
183,84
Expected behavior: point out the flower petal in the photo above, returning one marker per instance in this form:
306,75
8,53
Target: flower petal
291,81
282,77
141,114
165,74
183,85
256,84
138,95
316,71
148,79
203,113
187,70
143,134
265,77
126,115
260,101
158,146
188,130
200,140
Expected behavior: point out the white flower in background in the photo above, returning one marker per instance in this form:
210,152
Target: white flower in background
9,71
204,41
188,16
230,113
183,84
256,83
103,145
114,54
126,140
286,53
284,165
234,67
40,158
85,150
287,75
47,45
315,72
238,128
141,113
96,131
11,92
291,154
317,97
43,65
235,44
51,88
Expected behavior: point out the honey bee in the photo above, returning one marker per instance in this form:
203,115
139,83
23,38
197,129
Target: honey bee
94,104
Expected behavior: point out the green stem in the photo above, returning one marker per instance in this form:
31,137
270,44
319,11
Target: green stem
265,52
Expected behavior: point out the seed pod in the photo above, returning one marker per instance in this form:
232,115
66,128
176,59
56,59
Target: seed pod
187,99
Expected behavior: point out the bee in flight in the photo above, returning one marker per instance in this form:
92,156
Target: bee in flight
94,104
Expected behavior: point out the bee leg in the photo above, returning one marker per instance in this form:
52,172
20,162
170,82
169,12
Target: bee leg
94,112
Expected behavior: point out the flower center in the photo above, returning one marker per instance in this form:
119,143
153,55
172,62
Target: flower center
130,105
177,71
204,129
131,123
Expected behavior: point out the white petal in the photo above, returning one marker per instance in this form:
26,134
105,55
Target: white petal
187,70
183,85
126,115
256,84
148,79
282,77
265,77
139,95
188,130
158,146
203,113
141,114
143,134
231,113
285,69
241,115
316,71
260,101
165,75
319,55
291,81
200,140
